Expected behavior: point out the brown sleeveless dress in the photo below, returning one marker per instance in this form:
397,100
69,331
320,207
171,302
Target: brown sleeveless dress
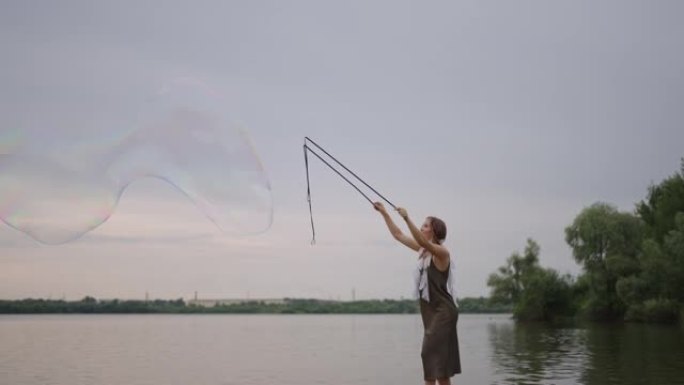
440,353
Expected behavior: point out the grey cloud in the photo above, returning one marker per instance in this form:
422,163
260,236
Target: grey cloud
504,118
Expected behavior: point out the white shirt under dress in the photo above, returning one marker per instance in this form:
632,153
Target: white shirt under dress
420,275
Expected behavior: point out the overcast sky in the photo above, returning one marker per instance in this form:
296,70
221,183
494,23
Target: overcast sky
503,118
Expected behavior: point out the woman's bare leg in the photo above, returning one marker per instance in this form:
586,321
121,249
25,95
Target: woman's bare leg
444,381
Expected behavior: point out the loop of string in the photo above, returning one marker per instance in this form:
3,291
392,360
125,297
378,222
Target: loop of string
308,149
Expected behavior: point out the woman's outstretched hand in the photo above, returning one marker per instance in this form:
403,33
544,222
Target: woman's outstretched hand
380,207
402,212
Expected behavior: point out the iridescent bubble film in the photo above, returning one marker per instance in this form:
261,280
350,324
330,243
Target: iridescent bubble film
60,179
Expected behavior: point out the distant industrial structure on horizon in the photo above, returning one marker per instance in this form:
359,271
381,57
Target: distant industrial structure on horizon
235,301
211,302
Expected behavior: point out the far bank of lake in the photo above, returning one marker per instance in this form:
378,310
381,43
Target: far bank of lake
90,305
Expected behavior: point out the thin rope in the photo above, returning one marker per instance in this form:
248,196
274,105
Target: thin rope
308,184
340,174
308,196
349,171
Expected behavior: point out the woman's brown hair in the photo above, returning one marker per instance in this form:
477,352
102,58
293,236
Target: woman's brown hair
438,229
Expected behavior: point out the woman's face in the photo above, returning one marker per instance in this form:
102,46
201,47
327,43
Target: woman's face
426,229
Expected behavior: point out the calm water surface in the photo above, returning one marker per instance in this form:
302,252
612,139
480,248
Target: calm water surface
325,349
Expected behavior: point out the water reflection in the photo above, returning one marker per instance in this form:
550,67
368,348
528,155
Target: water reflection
536,354
325,349
634,354
590,354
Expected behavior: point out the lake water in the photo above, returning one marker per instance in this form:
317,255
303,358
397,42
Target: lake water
324,349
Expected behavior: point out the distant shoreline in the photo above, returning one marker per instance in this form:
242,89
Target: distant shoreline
90,305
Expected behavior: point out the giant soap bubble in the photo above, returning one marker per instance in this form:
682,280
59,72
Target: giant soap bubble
59,182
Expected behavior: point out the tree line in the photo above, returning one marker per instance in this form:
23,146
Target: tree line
90,305
632,264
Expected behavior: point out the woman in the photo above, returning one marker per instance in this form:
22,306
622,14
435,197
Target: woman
440,353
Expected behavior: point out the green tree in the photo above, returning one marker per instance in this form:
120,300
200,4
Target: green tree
547,296
507,283
662,204
663,258
657,292
607,244
537,294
